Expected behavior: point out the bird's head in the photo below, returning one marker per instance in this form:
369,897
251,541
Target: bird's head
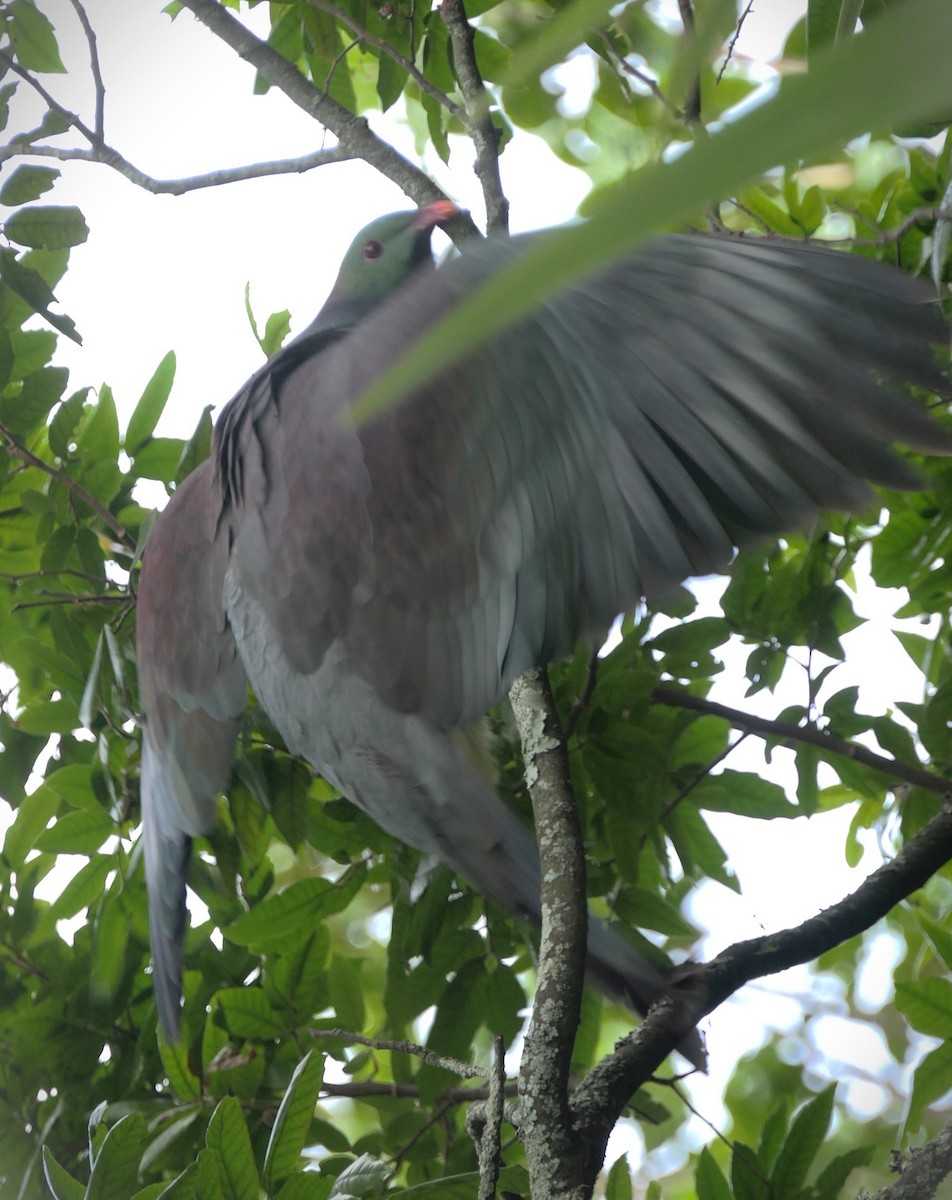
379,259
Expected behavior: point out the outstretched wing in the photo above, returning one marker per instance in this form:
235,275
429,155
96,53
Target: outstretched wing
626,435
193,691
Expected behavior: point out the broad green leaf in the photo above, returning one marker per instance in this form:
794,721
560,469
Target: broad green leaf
175,1063
110,937
87,706
27,183
228,1136
709,1180
933,1078
927,1005
52,226
366,1176
58,1179
822,19
306,1186
248,1014
84,888
64,423
832,1179
618,1180
802,1143
286,913
293,1120
117,1164
864,84
563,31
748,1176
145,415
33,816
183,1187
33,39
939,936
77,833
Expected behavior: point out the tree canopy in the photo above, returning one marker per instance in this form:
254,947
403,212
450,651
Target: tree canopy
349,1008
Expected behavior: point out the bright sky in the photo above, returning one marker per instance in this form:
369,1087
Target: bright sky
162,273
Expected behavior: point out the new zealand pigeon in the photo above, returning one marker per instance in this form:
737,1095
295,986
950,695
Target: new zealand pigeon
381,584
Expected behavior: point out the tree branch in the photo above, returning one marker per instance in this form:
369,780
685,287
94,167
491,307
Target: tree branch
921,1174
353,133
484,134
464,1070
27,456
99,86
602,1095
809,734
109,157
553,1153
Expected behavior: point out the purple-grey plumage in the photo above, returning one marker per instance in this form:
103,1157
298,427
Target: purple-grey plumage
382,585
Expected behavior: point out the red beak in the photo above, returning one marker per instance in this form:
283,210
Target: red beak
437,213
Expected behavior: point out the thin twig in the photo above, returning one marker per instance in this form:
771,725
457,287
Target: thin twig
364,35
70,599
109,157
584,697
733,42
51,102
490,1150
692,101
810,734
464,1070
371,1089
484,134
99,86
72,485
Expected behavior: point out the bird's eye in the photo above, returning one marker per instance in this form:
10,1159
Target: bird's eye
373,249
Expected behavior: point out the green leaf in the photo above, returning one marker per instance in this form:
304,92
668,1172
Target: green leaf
83,889
301,905
58,1179
50,226
933,1078
822,19
116,1172
151,405
175,1063
77,833
618,1181
927,1005
293,1120
27,184
832,1179
939,936
709,1180
228,1136
110,937
32,36
33,816
248,1014
64,422
864,84
566,29
308,1186
748,1177
366,1176
803,1143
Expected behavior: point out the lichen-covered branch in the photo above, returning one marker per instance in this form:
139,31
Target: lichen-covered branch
553,1153
599,1100
484,134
